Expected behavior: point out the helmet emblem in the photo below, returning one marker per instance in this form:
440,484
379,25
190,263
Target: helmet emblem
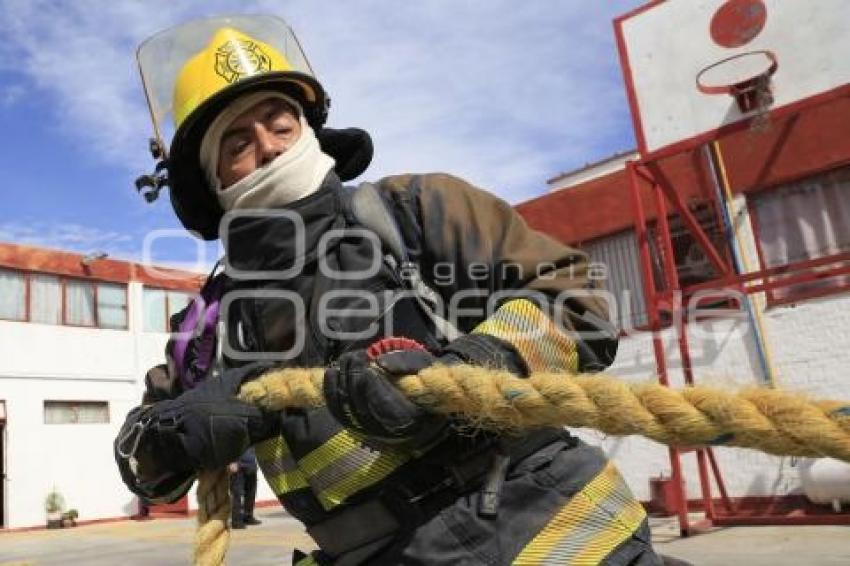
239,58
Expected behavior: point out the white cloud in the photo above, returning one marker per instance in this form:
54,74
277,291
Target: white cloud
181,251
501,92
69,236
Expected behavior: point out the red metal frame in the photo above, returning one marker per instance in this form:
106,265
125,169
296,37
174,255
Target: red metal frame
648,171
700,139
801,272
652,299
836,287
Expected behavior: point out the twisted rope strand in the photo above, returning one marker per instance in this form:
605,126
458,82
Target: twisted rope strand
768,420
212,537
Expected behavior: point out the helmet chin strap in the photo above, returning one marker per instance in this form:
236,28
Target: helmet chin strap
293,175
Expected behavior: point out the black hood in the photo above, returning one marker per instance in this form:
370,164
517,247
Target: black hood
269,243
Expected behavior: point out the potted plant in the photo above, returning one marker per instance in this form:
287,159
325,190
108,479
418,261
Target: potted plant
53,505
69,518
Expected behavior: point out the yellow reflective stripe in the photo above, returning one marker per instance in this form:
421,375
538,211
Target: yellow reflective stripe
542,345
343,456
568,518
608,539
337,446
307,561
595,521
278,467
271,450
360,479
334,471
509,333
285,482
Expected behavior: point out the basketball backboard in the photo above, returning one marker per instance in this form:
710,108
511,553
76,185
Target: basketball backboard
695,67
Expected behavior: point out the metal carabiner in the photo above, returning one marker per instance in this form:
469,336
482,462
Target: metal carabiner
137,429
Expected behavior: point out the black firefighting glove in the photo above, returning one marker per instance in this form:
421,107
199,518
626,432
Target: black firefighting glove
161,446
361,395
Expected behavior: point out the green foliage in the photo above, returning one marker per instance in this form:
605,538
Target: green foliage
54,502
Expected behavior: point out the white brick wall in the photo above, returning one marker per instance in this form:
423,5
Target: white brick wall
809,344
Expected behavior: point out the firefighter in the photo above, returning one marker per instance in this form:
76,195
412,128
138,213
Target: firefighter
375,478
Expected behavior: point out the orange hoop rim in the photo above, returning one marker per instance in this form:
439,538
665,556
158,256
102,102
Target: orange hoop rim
730,89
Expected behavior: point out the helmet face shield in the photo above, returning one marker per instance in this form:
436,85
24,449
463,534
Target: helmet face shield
193,72
186,65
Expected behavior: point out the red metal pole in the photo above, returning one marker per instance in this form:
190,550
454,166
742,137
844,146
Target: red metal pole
679,312
722,267
650,295
705,485
721,485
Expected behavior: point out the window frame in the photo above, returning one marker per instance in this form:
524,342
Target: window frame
65,322
635,315
63,280
702,311
126,289
793,297
166,305
26,276
71,402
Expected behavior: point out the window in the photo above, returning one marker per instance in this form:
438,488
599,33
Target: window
177,301
808,219
160,305
45,299
692,263
155,310
621,256
111,306
51,299
13,303
76,412
79,301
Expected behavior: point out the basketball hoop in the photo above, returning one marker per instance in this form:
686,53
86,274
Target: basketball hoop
747,78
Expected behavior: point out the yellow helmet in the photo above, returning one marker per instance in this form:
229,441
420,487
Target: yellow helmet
193,71
229,57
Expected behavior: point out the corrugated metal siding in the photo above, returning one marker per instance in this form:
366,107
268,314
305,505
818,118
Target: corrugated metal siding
619,253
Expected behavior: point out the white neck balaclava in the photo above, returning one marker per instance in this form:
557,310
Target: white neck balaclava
295,174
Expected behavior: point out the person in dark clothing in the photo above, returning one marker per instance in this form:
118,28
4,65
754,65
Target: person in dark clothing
243,490
374,477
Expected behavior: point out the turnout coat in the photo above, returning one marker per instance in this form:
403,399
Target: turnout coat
328,286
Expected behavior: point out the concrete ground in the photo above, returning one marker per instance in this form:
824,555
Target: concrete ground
163,542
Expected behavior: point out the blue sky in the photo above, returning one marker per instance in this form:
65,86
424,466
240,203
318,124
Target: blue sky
504,93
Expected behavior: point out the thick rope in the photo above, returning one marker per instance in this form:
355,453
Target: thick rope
768,420
213,535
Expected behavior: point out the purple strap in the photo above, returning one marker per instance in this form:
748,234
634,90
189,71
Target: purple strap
206,308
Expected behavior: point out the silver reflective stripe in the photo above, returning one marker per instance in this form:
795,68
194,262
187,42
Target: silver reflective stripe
281,465
220,336
342,467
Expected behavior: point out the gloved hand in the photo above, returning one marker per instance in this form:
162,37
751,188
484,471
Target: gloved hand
160,445
361,395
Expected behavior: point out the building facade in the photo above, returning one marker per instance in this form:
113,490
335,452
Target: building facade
77,335
790,204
